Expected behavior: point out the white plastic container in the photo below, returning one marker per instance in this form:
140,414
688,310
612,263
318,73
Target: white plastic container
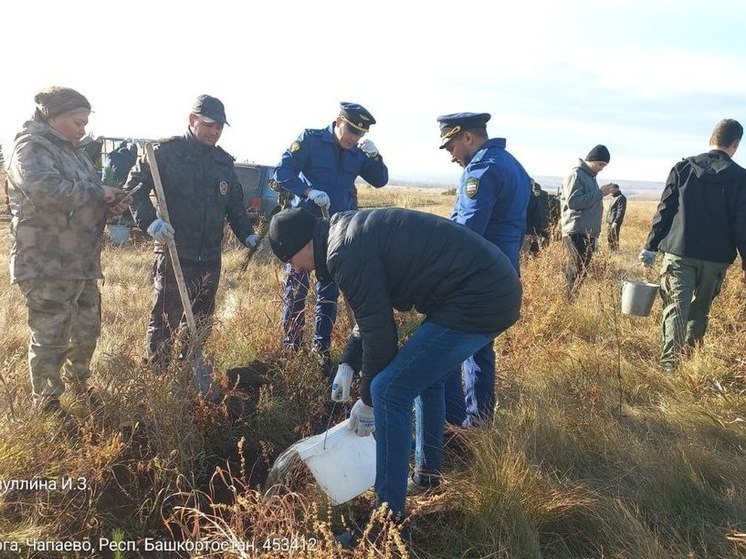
344,466
638,297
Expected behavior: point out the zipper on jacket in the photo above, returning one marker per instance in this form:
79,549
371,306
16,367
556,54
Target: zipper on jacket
203,176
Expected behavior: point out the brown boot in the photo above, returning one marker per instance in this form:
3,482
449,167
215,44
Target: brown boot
87,394
49,405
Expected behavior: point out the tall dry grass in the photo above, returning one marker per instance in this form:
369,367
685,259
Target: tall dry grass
592,452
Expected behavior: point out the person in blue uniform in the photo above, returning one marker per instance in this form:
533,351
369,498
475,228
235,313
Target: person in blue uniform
319,169
492,198
119,162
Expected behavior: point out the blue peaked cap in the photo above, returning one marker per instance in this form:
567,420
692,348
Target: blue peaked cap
452,124
356,116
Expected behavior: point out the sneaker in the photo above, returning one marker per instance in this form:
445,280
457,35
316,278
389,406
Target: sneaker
668,368
418,484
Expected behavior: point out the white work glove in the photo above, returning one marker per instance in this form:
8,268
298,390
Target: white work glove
319,197
368,147
161,231
252,241
342,382
647,257
361,419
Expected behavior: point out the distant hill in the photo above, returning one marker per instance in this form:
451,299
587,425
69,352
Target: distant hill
634,190
637,190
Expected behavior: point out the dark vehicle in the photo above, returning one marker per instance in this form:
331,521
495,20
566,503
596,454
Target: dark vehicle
261,200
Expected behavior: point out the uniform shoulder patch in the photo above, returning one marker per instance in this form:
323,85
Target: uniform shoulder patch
472,187
478,156
295,146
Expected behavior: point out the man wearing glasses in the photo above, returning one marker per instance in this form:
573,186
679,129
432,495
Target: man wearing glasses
319,169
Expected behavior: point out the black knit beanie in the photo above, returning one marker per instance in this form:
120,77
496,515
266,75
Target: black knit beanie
289,231
598,153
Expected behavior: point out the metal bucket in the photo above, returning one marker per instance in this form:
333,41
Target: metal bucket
638,297
119,234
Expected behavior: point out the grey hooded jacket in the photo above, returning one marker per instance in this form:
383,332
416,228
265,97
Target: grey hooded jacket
582,202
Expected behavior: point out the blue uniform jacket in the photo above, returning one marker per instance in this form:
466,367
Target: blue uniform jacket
493,197
315,160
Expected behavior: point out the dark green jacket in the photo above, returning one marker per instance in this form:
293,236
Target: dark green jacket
202,192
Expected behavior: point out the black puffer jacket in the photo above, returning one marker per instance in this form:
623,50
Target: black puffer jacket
401,259
202,191
702,211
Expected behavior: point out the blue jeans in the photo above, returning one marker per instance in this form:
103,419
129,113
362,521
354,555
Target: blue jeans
294,313
472,401
420,368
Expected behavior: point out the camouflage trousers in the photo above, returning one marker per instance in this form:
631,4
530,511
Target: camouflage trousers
65,321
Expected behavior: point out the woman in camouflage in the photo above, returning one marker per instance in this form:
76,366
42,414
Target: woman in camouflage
59,208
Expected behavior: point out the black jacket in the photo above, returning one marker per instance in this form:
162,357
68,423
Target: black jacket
201,190
617,209
702,211
390,259
537,212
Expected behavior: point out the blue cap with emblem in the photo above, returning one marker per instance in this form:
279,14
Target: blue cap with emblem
356,116
452,124
210,108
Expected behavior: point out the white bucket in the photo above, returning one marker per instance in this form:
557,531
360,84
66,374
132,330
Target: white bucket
638,297
119,234
345,466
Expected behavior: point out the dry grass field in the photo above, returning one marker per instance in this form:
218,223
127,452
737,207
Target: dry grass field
592,452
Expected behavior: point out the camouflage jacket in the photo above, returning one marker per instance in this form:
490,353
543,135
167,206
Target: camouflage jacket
57,207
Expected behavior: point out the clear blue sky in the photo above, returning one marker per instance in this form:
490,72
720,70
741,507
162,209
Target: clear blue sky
647,78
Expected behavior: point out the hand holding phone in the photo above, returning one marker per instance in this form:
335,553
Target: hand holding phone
125,194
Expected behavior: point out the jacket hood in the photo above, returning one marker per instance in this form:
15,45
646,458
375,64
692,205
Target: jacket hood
714,166
36,128
583,166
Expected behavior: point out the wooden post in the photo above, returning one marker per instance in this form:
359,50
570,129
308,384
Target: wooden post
171,245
